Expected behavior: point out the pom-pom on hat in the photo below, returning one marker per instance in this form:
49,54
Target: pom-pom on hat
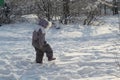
44,23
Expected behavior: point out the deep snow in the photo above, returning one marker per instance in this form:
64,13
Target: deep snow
82,52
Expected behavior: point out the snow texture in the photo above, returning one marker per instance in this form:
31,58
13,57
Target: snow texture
82,52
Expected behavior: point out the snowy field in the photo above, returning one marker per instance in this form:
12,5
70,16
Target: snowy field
82,52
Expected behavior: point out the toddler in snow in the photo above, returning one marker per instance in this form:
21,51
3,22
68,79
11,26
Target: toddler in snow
40,44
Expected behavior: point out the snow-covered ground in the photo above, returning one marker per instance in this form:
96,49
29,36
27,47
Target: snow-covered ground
82,52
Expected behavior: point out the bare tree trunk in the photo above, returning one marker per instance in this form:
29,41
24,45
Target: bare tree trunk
48,10
47,7
66,11
115,7
105,12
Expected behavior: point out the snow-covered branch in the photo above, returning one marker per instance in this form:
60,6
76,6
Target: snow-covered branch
105,3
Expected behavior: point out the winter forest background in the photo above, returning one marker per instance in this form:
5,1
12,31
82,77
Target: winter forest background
85,38
66,11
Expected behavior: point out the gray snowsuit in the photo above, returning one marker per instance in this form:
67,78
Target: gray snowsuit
41,46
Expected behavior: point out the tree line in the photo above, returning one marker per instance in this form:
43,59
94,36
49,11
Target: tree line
62,10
